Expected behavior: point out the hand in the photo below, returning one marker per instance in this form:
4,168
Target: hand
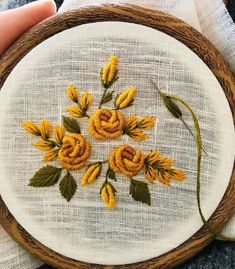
13,23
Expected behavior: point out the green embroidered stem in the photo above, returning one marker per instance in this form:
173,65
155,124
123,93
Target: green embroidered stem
52,142
174,110
102,98
106,176
199,158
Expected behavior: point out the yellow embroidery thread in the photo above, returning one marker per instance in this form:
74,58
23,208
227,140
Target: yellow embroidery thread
31,128
106,124
72,93
132,127
45,128
126,160
91,173
73,149
108,195
160,168
59,133
74,152
109,71
83,103
51,155
126,98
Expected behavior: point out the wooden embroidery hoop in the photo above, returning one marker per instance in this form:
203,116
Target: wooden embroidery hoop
171,26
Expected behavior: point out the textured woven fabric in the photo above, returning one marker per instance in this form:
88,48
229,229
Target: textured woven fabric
11,255
208,16
85,229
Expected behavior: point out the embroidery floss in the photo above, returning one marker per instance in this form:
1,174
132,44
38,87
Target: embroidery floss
92,173
199,159
74,152
125,99
108,77
160,168
107,194
132,127
51,155
45,128
106,124
59,133
83,103
126,160
31,128
109,71
72,93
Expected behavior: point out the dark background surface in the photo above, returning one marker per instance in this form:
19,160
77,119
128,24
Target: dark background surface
219,254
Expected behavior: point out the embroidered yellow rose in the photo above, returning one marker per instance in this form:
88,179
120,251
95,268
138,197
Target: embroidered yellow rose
106,124
126,160
74,152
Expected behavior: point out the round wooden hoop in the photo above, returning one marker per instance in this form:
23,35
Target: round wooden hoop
171,26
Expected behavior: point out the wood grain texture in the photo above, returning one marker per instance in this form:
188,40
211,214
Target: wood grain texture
171,26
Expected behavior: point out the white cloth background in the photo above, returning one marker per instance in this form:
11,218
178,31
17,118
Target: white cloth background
208,16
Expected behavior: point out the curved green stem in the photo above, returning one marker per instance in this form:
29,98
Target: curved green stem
199,158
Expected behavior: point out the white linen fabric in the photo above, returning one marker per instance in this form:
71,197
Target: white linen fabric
84,229
208,16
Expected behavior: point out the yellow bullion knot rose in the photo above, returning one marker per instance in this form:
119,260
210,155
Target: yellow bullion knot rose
109,71
126,160
106,123
125,98
91,174
74,152
107,194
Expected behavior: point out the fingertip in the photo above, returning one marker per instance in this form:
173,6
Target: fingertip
13,23
48,7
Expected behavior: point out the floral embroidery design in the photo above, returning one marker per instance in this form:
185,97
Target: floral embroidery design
72,149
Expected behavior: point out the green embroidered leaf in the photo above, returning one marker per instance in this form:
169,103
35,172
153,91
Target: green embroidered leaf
140,191
68,186
111,174
46,176
71,125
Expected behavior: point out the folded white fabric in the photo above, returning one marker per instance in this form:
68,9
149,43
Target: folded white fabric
209,17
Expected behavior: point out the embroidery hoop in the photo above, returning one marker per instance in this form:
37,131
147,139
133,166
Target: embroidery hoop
165,23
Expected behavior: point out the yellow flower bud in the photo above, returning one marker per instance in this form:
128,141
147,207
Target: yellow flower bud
178,174
125,98
108,195
85,101
45,128
109,72
152,156
44,145
91,174
130,123
164,162
147,122
72,93
59,133
31,128
150,173
138,135
75,111
50,155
